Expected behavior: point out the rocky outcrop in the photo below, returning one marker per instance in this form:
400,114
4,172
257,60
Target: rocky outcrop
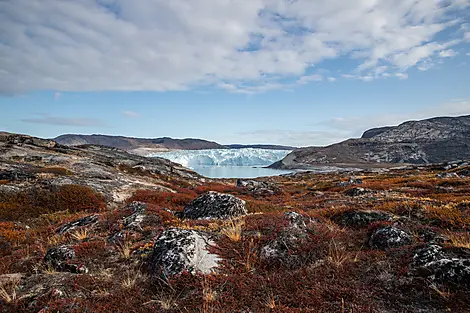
433,140
389,237
177,250
215,205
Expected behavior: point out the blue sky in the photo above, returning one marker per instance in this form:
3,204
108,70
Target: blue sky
271,71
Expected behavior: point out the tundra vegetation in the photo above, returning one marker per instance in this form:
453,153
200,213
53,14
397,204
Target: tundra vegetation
381,241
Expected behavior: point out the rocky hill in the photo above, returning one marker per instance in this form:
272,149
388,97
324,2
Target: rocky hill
129,143
432,140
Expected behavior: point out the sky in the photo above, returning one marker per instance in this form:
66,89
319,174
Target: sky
291,72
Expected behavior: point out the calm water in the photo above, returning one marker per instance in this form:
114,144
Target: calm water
237,171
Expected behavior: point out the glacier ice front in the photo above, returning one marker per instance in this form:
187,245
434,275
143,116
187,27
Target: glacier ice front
223,157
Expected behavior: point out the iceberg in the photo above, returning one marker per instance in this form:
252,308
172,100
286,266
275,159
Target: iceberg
223,157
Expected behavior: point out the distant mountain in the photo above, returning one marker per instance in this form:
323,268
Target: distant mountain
434,140
144,145
129,143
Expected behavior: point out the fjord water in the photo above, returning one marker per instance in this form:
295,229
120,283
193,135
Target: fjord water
228,163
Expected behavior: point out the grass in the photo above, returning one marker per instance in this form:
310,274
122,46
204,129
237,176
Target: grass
80,234
461,240
233,229
337,255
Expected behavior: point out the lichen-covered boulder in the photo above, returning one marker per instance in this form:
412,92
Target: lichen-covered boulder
58,258
58,255
84,221
389,237
362,218
215,205
178,250
444,265
257,187
294,234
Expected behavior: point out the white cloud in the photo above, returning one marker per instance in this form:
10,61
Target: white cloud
57,96
310,78
131,114
96,45
447,53
402,75
331,79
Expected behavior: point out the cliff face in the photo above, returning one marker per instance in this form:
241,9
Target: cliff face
433,140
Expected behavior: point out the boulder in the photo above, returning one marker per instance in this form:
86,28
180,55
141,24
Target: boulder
257,187
362,218
58,257
178,250
84,221
443,265
357,191
294,234
389,237
215,205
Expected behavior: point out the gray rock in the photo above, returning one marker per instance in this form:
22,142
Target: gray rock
85,221
389,237
215,205
362,218
448,175
357,191
428,254
178,250
137,217
294,234
257,187
448,271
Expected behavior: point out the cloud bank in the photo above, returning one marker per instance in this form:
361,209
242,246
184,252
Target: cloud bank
242,46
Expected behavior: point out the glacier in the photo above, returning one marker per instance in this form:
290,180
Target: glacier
223,157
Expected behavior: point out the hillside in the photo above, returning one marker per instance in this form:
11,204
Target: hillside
432,140
95,229
129,143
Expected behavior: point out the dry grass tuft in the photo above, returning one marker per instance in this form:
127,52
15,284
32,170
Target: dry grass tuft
131,279
80,234
233,229
125,249
8,291
337,255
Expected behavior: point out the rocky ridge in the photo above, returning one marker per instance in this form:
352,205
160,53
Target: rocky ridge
434,140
